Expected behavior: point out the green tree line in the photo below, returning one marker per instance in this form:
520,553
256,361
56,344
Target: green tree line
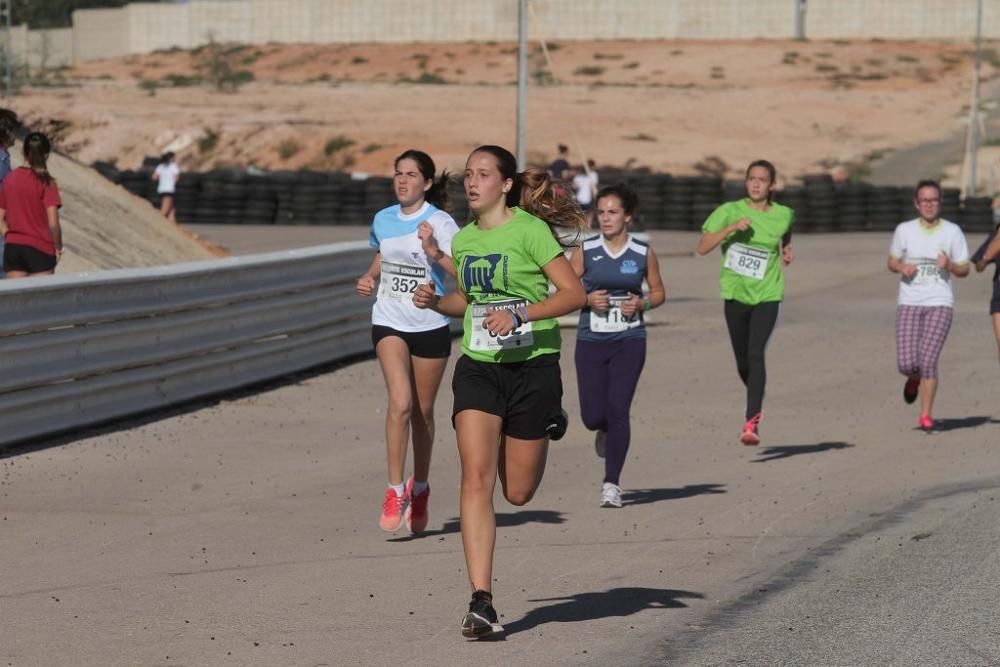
54,13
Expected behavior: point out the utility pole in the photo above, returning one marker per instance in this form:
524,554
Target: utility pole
522,80
800,19
974,112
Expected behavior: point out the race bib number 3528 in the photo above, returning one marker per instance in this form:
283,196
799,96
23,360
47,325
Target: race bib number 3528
400,281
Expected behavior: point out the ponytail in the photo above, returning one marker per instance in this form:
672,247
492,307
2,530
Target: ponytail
536,192
438,193
543,198
36,154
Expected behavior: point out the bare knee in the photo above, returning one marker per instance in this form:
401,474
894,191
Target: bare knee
518,497
400,408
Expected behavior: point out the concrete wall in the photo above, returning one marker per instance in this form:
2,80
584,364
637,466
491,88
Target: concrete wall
145,27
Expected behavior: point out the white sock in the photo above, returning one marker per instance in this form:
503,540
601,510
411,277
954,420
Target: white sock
398,488
418,487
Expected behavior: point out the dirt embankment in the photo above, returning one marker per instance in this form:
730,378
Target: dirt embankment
106,227
668,106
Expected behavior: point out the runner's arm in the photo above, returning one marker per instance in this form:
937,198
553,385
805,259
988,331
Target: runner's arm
657,292
3,221
452,304
576,261
569,294
710,240
55,229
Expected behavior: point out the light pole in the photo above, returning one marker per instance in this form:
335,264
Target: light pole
974,115
522,80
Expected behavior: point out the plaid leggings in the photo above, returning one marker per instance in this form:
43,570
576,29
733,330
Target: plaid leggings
920,335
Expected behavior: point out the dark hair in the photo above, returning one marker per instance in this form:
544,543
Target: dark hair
536,192
770,170
167,157
563,148
927,183
438,193
36,153
625,194
9,125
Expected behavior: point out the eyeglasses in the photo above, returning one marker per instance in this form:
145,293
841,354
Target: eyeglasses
928,201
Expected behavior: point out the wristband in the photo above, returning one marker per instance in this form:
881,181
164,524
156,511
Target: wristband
517,320
647,305
438,255
522,311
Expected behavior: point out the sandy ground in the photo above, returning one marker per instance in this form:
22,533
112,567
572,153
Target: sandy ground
809,106
244,532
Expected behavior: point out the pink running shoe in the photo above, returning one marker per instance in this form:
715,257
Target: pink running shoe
926,423
749,436
416,513
392,511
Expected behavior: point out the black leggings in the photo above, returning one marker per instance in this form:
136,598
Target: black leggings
750,328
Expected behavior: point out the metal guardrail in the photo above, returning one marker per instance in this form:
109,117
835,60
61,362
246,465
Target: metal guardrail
77,351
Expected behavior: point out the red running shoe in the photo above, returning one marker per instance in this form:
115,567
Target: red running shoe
750,436
926,423
416,513
392,511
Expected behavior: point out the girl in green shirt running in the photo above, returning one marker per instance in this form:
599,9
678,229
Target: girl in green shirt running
755,235
507,383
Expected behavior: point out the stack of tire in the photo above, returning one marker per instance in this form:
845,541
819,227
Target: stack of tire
977,214
821,213
852,206
885,209
794,197
951,205
678,196
651,190
706,196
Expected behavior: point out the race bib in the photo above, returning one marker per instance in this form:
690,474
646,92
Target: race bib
747,260
927,273
481,339
613,320
400,281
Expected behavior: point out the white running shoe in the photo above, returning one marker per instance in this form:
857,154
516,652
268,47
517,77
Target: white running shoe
611,495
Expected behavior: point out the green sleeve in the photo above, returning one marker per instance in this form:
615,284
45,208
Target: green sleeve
542,247
718,220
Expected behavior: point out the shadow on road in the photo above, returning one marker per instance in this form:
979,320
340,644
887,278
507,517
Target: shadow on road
504,520
783,452
645,496
592,606
943,425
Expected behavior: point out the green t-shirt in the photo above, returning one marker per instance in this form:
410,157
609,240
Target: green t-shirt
751,260
504,264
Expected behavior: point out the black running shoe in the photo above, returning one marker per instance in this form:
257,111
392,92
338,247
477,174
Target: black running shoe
481,621
558,425
911,389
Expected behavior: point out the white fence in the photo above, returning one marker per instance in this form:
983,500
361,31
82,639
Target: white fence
77,351
144,27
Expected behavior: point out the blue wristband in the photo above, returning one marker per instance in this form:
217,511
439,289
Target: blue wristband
517,320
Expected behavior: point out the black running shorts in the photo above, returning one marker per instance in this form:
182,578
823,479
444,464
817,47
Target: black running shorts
433,344
17,257
527,395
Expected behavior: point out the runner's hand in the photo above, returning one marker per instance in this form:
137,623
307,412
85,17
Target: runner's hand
365,285
786,255
499,321
631,305
943,262
741,225
425,296
908,270
426,235
598,300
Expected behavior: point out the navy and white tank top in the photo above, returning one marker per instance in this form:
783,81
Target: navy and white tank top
620,274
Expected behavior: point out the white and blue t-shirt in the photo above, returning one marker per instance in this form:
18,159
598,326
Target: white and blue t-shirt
621,274
405,265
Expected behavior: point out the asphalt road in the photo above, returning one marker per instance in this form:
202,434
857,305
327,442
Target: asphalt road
244,531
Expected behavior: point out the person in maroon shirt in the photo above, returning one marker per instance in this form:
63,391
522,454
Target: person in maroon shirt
29,214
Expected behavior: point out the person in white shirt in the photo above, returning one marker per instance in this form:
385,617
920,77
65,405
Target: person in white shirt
413,247
166,175
926,251
585,185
